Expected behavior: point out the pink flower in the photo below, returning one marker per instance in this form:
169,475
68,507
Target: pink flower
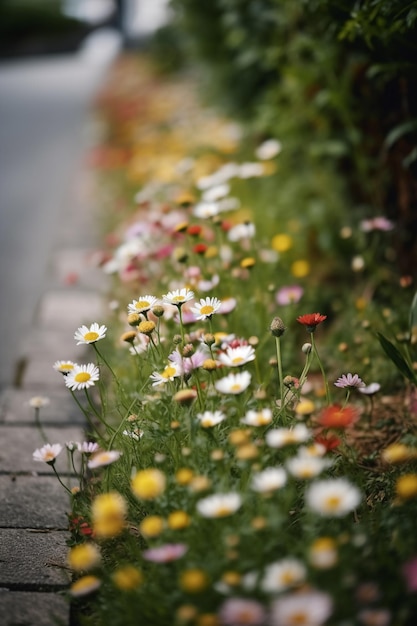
242,612
289,295
349,381
166,553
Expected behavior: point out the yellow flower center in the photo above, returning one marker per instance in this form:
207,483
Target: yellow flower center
49,456
235,387
142,304
66,367
237,360
287,578
82,377
168,372
333,503
178,299
223,510
207,309
91,336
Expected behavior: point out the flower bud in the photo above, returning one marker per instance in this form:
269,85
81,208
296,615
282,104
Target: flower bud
277,327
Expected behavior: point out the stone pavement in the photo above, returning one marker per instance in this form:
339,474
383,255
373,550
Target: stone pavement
34,506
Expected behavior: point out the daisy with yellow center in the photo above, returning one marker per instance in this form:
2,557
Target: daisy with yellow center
178,297
306,466
90,335
208,419
47,453
206,308
233,383
257,418
235,357
270,479
280,437
82,377
63,366
142,305
100,459
170,372
283,575
219,505
332,497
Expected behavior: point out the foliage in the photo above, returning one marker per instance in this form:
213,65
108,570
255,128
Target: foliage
192,203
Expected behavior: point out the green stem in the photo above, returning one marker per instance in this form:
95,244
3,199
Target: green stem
181,324
57,475
279,364
326,384
39,426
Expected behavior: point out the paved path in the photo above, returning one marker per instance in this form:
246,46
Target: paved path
33,512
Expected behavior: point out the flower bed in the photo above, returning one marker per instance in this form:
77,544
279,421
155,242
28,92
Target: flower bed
237,471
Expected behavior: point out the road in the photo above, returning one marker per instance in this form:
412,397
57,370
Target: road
44,110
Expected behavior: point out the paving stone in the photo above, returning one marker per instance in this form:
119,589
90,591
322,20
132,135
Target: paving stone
62,408
20,608
52,344
71,309
33,560
33,502
17,444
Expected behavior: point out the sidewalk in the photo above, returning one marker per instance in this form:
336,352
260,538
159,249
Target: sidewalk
33,515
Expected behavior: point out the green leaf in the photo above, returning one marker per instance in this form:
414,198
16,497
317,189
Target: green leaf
399,131
397,358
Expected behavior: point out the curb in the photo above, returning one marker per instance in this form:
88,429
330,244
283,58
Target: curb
33,518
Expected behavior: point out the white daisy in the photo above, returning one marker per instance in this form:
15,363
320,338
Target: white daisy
178,296
142,305
268,149
64,366
82,377
235,357
90,335
210,418
171,371
37,402
205,210
206,308
135,434
257,418
309,608
283,575
241,231
233,383
219,505
332,497
215,193
48,453
279,437
251,170
269,479
106,457
306,467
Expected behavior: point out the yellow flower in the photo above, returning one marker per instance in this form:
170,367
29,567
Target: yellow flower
148,484
247,262
208,619
282,242
231,578
177,520
108,514
398,453
146,327
406,486
194,580
85,585
127,578
300,268
184,476
305,407
151,526
84,557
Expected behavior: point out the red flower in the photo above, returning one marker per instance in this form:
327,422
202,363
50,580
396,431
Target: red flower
194,230
329,441
311,320
200,248
335,416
